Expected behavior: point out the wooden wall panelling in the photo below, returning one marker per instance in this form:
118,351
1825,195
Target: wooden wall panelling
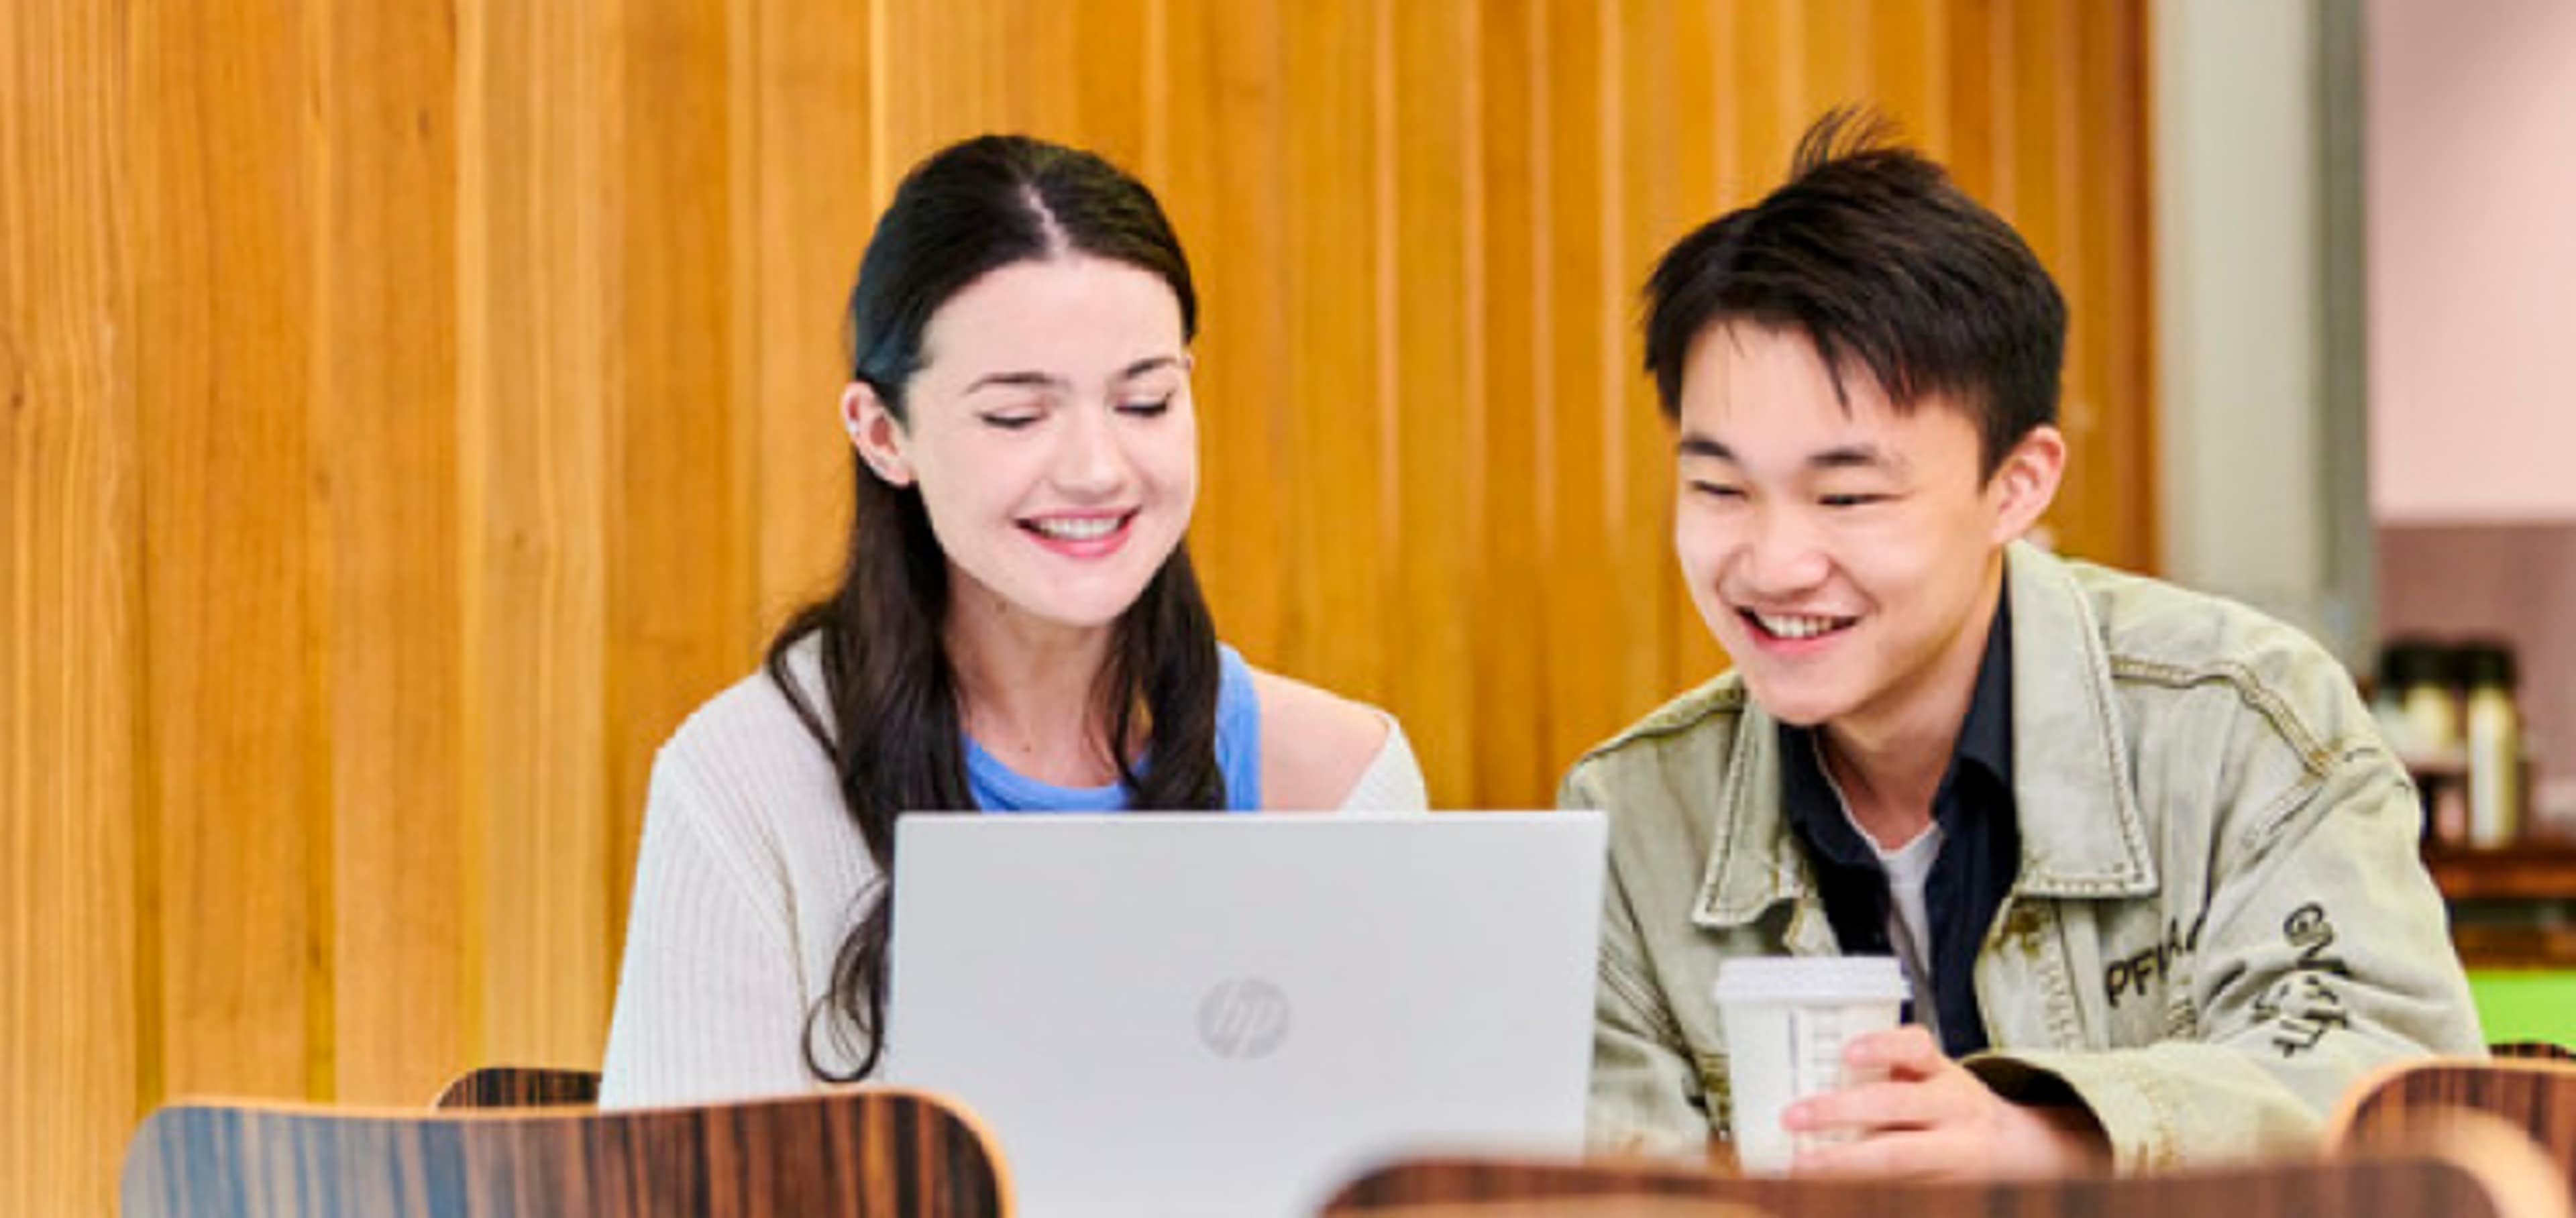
810,214
69,590
1680,182
237,898
945,75
536,345
1428,295
1580,388
1636,468
1513,759
2115,327
681,587
1908,56
1229,112
1331,414
384,430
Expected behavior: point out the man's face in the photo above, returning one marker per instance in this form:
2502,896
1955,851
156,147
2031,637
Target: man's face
1847,557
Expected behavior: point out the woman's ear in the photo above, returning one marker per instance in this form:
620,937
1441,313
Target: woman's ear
2025,483
876,433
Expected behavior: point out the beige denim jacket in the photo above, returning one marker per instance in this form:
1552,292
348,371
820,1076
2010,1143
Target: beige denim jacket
2220,919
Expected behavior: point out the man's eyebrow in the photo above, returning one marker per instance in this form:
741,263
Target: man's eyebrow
1847,456
1856,456
1694,444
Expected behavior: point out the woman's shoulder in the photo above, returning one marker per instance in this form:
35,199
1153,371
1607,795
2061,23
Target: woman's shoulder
1315,744
748,752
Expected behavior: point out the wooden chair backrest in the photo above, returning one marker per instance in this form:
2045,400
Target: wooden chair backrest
863,1153
521,1087
2534,1095
2463,1171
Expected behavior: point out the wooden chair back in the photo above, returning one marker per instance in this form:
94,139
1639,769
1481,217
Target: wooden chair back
863,1153
2461,1171
521,1087
2538,1050
2534,1095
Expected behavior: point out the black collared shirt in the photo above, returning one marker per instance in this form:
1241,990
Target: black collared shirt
1980,844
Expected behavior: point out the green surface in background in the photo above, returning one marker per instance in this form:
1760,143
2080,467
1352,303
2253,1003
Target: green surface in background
2526,1004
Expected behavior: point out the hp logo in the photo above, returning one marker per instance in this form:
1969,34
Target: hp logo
1243,1018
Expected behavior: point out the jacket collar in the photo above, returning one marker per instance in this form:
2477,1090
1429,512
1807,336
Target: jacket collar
2081,831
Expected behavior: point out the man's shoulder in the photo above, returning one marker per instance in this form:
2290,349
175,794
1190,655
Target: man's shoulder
1692,728
2159,637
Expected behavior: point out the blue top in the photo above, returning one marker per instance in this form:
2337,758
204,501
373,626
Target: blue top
998,788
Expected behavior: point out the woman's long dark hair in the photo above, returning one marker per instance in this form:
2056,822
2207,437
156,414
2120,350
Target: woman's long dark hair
895,735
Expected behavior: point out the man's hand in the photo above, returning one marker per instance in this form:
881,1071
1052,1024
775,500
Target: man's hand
1932,1118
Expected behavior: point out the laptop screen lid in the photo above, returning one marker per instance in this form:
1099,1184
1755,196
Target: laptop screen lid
1204,1014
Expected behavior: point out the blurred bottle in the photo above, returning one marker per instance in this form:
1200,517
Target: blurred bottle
2417,706
2493,737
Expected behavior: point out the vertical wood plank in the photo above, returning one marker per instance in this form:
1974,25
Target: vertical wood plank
1227,198
1977,92
1516,763
69,587
810,220
1331,404
947,76
534,365
1113,65
1428,299
384,386
681,585
237,802
1577,484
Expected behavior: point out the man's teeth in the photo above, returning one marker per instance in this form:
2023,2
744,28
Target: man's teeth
1085,529
1799,627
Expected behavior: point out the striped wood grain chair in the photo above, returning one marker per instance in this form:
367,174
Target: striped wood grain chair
863,1153
2541,1050
521,1087
2464,1170
2534,1095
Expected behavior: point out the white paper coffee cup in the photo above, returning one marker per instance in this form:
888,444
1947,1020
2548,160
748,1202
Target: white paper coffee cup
1787,1019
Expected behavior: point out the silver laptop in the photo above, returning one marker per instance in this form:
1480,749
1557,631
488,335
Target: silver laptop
1213,1015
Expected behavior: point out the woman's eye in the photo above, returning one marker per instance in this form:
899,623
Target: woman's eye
1147,408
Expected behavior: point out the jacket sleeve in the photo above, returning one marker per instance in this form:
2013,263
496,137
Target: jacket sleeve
1646,1096
2324,951
708,1001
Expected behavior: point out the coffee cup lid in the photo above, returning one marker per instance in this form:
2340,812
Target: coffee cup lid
1810,979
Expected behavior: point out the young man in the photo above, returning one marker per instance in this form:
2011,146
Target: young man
2149,870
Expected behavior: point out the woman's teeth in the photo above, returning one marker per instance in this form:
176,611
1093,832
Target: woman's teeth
1089,528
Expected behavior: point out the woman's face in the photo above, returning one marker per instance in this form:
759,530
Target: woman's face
1050,431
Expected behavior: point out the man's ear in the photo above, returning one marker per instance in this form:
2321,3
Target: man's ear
876,433
2025,483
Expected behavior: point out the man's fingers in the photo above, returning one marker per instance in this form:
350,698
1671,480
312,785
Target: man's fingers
1905,1154
1908,1051
1871,1107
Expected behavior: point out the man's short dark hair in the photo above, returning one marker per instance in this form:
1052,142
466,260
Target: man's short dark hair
1874,255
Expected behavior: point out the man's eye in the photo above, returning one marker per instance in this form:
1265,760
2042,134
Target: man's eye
1716,490
1009,422
1845,501
1147,408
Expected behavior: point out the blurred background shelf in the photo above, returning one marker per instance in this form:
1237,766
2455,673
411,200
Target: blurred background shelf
2538,871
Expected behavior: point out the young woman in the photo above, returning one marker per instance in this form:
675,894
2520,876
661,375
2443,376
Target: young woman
1018,629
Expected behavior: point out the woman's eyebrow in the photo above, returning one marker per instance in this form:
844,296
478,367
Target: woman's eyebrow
1016,380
